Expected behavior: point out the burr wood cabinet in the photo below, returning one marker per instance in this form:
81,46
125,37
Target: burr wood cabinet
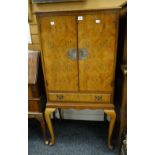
79,57
36,93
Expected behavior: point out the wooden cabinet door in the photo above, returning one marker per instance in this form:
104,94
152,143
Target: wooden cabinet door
58,38
97,37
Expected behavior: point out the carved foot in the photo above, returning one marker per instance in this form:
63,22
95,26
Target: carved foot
112,115
48,112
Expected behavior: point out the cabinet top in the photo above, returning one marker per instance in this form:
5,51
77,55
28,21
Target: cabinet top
79,6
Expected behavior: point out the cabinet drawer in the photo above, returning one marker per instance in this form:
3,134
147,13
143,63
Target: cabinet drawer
79,97
33,105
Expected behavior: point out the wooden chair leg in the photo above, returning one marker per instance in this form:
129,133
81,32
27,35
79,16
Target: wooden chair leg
40,118
112,115
48,112
43,127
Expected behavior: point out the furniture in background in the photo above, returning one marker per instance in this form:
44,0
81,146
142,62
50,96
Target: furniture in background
78,51
36,93
122,64
121,78
123,150
123,108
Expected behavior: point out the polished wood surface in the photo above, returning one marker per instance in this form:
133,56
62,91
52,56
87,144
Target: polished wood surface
30,93
112,115
79,6
69,78
79,105
33,105
96,71
33,67
36,95
33,91
48,112
60,71
80,97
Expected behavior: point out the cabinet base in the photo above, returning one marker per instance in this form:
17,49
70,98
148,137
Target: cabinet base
109,111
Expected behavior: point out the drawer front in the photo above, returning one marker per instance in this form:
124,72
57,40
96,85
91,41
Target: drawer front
75,97
33,106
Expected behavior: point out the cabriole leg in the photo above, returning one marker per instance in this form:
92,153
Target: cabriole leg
112,115
48,112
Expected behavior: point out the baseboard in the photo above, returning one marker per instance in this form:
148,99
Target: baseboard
92,115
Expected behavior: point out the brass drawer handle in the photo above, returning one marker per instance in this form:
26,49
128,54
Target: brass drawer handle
98,98
83,53
60,97
72,54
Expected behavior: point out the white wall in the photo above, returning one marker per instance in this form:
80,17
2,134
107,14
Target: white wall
93,115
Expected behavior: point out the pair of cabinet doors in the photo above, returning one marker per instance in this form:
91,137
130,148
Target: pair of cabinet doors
79,51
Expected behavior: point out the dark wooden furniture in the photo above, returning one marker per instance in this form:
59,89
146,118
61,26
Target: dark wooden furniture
123,150
123,108
122,65
36,95
121,78
79,49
